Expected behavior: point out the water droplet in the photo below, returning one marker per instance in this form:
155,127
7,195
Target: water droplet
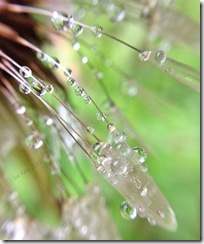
68,72
34,141
20,109
144,192
25,71
79,91
160,57
97,147
151,221
49,88
38,89
144,167
117,135
61,21
129,88
84,60
116,12
87,99
97,31
95,158
71,81
53,63
141,211
100,116
47,120
90,129
107,105
140,153
123,148
119,165
76,45
25,89
76,29
127,212
144,56
161,214
41,56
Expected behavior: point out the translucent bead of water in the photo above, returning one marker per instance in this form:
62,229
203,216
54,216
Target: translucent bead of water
68,72
71,81
61,21
53,63
25,72
41,56
140,154
49,88
127,212
79,91
151,221
25,89
20,109
34,141
97,31
87,99
116,12
144,192
160,57
77,29
119,165
90,129
100,116
38,89
144,56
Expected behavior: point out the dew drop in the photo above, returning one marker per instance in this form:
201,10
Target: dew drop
141,211
144,192
41,56
53,63
140,153
24,89
97,147
144,167
119,165
123,148
34,141
25,72
100,116
87,99
68,72
97,31
47,120
49,88
117,135
90,129
76,29
71,81
144,56
160,57
127,212
20,109
116,12
84,60
61,21
151,221
76,45
38,89
79,91
95,158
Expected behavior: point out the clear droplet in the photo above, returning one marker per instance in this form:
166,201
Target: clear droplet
144,167
141,211
53,63
71,81
140,153
76,45
25,72
84,60
90,129
144,56
34,141
100,116
38,89
119,165
76,29
160,57
117,135
144,192
25,89
61,21
123,148
87,99
128,88
20,109
41,56
79,91
47,120
127,212
116,12
151,221
97,147
97,31
68,72
49,88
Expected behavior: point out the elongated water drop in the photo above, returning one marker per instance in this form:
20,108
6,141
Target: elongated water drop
87,99
34,141
38,89
97,31
71,81
77,29
68,72
127,212
140,153
79,91
53,63
25,71
100,116
90,129
41,56
24,89
61,21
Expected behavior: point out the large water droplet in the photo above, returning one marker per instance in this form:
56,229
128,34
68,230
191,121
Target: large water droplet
68,72
61,21
127,212
25,71
140,153
123,148
34,141
79,91
49,88
76,29
38,89
141,211
160,57
76,45
144,56
116,12
97,31
41,56
25,89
